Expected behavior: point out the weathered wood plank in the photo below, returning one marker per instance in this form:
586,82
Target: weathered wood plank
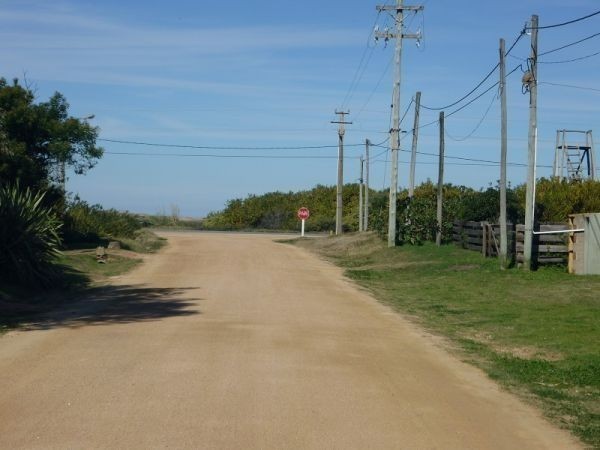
545,248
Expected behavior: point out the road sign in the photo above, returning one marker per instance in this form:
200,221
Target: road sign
303,213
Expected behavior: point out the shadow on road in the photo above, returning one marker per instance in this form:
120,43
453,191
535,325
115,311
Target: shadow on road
116,304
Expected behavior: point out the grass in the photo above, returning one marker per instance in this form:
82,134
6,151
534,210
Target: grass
78,270
536,333
145,241
84,262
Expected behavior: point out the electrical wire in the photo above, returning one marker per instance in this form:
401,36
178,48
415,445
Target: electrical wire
570,60
206,155
208,147
357,78
412,100
483,93
386,70
462,158
556,25
494,98
468,94
431,163
450,105
570,45
585,88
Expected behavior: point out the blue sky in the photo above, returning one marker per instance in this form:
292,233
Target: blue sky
270,74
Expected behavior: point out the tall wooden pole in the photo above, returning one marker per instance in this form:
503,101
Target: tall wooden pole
360,196
366,214
440,190
532,147
503,150
340,172
399,35
413,154
395,131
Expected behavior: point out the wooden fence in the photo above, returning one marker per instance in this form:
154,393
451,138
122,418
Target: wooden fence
484,237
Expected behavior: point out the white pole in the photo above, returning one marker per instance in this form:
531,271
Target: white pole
302,234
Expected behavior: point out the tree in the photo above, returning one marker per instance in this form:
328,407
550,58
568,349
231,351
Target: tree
34,137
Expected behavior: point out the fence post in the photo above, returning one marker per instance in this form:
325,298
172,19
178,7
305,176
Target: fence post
483,239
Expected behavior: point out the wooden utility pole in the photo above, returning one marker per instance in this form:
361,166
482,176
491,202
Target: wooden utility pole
395,131
530,78
413,154
360,196
440,190
340,172
366,213
503,150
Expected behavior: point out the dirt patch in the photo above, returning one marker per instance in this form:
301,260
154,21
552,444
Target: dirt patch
522,352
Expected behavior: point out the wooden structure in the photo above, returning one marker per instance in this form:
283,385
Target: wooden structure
547,248
584,244
484,237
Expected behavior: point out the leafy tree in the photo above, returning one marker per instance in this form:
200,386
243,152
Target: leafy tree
34,137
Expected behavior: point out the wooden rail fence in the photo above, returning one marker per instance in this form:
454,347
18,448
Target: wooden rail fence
484,237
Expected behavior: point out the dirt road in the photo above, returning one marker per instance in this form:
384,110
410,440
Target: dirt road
236,342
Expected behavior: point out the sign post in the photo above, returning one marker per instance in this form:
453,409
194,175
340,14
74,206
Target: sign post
303,214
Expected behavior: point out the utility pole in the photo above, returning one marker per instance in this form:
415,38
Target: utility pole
395,131
366,213
440,190
413,154
530,78
503,151
340,173
360,196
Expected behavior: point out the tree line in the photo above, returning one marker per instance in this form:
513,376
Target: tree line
417,221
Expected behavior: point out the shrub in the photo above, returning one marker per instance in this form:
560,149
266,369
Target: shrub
85,223
555,199
29,239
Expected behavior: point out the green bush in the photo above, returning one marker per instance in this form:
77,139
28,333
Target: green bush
91,223
556,199
29,239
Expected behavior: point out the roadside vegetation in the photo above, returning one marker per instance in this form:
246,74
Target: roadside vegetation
536,333
416,218
47,239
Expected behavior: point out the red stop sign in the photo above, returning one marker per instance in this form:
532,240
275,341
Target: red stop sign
303,213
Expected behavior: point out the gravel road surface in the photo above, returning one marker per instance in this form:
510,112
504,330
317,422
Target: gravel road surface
233,341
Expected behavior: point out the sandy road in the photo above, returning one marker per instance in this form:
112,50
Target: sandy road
237,342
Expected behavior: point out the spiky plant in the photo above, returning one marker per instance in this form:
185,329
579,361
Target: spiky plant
29,240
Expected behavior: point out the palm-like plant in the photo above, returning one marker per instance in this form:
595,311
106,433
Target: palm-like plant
29,240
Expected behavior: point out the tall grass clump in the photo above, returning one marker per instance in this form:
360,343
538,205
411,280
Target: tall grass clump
29,239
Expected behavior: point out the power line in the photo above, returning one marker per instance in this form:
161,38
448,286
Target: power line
387,68
494,97
206,155
209,147
483,93
570,60
373,158
412,100
468,94
462,158
585,88
570,45
565,23
357,78
427,163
